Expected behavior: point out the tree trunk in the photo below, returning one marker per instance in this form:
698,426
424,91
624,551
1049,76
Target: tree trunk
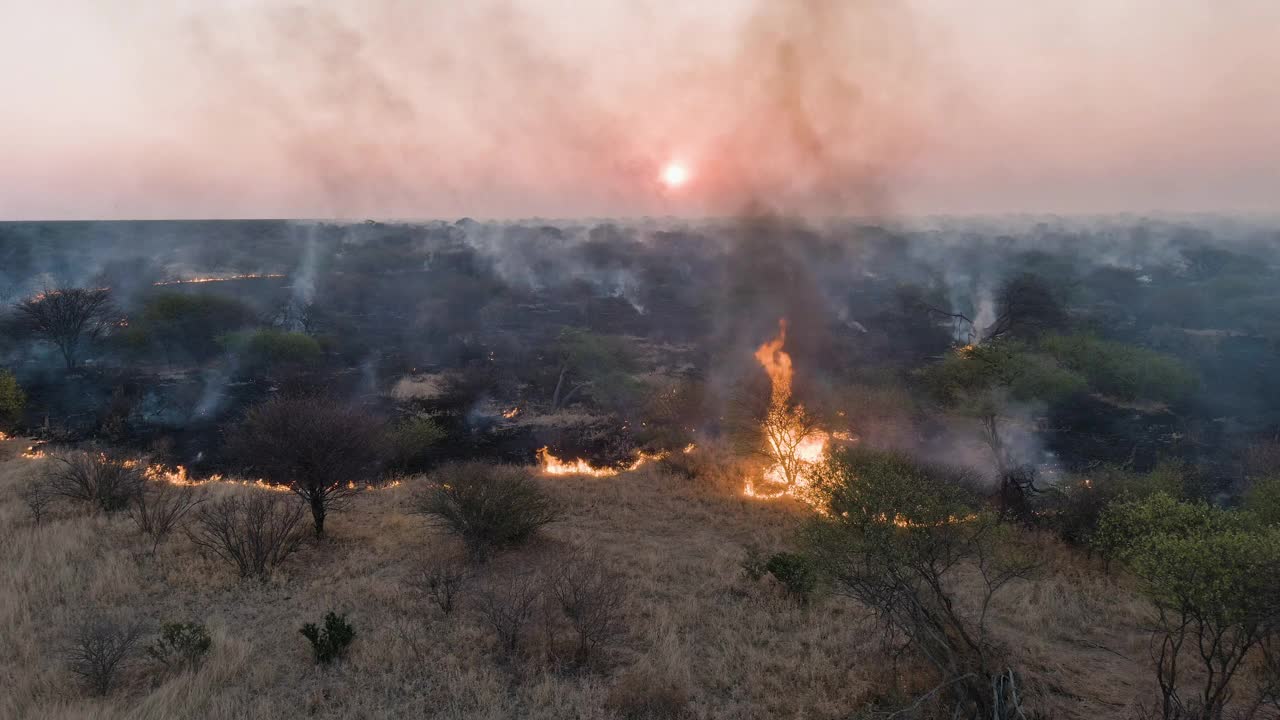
317,514
555,396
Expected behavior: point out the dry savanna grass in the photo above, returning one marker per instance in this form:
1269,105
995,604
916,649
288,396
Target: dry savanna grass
701,641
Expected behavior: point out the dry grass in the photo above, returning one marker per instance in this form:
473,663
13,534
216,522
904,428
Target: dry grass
702,642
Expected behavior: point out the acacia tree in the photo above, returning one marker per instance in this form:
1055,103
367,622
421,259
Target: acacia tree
987,382
597,364
322,450
67,316
1213,576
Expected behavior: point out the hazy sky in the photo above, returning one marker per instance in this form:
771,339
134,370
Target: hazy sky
399,108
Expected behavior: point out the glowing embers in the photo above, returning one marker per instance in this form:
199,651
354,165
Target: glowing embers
552,465
225,278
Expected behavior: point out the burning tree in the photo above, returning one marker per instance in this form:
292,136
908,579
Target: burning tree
792,441
325,452
67,316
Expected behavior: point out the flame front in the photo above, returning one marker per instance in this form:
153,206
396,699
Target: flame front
552,465
791,439
225,278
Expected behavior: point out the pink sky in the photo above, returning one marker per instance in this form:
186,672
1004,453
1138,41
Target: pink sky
393,108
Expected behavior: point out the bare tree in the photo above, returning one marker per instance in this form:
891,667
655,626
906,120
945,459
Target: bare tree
592,599
37,495
255,532
441,582
324,451
67,316
158,510
508,604
99,648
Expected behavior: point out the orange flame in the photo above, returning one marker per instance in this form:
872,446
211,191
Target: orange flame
552,465
509,414
792,441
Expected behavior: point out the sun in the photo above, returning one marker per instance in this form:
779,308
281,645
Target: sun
674,175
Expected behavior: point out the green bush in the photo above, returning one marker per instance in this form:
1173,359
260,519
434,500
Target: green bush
1125,372
1079,504
1263,500
181,645
330,642
796,574
1213,577
275,350
1126,526
489,506
188,323
410,443
12,400
894,536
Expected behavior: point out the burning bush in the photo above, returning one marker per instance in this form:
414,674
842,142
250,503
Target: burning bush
254,532
489,506
323,451
107,483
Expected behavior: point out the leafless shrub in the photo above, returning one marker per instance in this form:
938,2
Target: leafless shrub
99,649
592,600
645,693
489,506
441,582
254,532
322,450
106,482
36,495
509,604
159,509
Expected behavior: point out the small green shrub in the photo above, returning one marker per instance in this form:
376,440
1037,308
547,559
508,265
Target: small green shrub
330,642
410,443
796,574
181,645
274,350
1263,500
12,400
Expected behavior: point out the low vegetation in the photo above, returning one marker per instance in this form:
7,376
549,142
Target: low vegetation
105,483
490,507
330,640
255,532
